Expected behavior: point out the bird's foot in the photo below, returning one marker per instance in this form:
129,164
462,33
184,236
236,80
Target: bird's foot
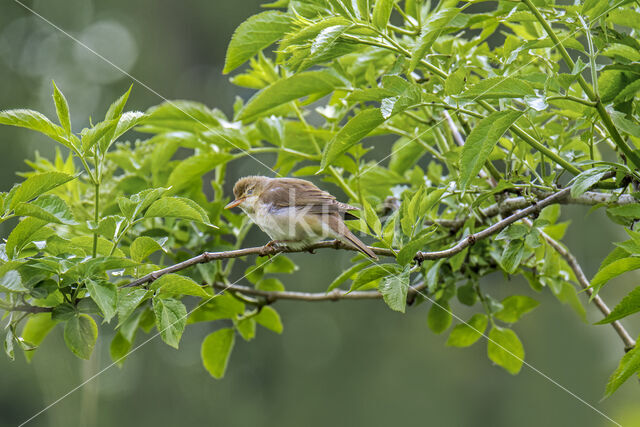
270,248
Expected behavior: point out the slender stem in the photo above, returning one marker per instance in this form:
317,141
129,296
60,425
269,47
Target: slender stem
343,184
591,94
628,341
535,144
572,98
96,218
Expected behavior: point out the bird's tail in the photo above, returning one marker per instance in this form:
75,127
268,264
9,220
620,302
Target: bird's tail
346,236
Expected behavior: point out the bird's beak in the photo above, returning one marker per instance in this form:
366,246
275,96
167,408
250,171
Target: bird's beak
235,203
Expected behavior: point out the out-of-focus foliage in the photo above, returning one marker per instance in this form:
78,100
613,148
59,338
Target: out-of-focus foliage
473,125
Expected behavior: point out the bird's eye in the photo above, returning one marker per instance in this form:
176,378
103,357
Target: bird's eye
249,192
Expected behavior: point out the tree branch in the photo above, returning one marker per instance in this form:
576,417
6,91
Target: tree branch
571,260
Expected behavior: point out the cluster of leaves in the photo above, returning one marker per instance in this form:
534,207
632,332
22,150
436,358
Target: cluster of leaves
479,109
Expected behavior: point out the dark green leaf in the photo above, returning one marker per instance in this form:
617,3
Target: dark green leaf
512,256
119,349
407,253
439,317
587,179
480,143
128,300
253,35
171,319
350,134
21,235
80,335
105,294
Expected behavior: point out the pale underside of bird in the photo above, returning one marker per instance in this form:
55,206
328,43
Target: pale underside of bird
294,212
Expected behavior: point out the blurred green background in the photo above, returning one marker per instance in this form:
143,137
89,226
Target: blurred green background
344,363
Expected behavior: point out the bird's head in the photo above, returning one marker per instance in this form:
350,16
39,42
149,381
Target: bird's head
247,190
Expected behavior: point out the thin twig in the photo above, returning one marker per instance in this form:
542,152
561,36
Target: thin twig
571,260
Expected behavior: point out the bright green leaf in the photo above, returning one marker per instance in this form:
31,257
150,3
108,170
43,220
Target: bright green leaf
270,319
215,351
105,295
394,290
465,334
505,349
514,306
174,284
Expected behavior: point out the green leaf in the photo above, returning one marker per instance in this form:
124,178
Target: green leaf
622,123
192,168
630,304
80,335
287,90
178,207
350,134
21,235
174,284
394,290
90,136
119,349
612,270
439,317
270,319
12,282
374,272
128,300
346,275
587,179
35,121
628,211
465,334
497,88
505,349
429,32
255,34
629,365
215,351
280,264
514,306
246,328
171,319
142,247
36,329
49,208
372,218
512,256
38,184
222,306
105,295
409,251
381,13
115,110
480,143
62,108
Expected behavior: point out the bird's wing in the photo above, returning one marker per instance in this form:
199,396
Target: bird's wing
286,192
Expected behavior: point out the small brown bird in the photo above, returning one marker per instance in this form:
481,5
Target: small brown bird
294,212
